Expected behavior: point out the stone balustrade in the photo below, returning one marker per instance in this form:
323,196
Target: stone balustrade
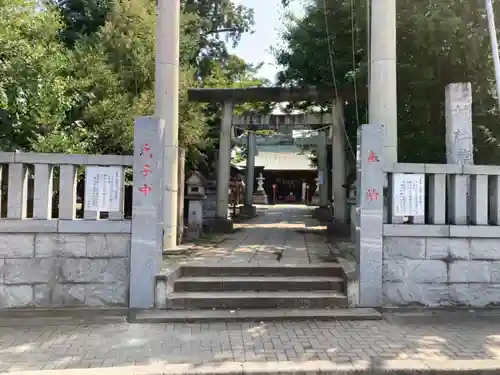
456,195
450,256
49,257
38,171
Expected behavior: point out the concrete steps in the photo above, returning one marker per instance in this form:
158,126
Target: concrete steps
257,300
259,283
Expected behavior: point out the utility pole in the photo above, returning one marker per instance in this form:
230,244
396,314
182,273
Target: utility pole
382,100
494,45
167,108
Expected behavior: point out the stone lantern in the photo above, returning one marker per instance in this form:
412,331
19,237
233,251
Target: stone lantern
195,194
260,196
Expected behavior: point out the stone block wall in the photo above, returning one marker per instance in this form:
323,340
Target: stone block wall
59,269
440,271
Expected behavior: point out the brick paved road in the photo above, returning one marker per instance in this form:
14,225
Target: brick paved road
83,346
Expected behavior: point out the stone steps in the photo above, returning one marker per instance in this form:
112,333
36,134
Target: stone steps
258,315
266,269
255,291
259,283
257,300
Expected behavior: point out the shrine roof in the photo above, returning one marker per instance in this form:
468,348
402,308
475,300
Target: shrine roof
282,158
272,94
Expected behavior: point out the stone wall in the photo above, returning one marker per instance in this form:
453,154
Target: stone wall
435,272
59,269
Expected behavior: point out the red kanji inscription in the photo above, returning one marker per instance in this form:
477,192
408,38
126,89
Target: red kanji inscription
146,150
372,158
146,170
145,189
372,195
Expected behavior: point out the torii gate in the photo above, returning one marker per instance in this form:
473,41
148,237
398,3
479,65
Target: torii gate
230,97
382,91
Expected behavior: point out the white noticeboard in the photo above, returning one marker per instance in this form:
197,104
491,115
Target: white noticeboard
320,178
103,188
408,197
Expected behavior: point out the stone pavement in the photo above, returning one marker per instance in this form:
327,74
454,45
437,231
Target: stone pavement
402,343
454,340
286,234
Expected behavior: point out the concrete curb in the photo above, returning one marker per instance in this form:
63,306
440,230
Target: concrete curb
252,315
63,316
374,367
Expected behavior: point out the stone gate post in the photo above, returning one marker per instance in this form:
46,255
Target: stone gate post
147,227
459,148
370,200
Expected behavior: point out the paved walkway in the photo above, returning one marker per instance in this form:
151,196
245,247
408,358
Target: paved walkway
452,340
286,234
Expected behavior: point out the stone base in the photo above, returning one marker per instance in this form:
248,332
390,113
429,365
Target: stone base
351,274
315,200
218,225
338,229
249,211
260,199
192,233
323,214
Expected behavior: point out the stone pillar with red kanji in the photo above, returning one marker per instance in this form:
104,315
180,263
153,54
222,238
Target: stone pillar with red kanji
147,227
370,200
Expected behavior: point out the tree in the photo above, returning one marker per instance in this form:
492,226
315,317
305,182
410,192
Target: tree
81,17
212,23
114,68
34,87
439,42
112,44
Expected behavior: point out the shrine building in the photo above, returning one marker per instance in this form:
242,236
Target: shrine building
283,157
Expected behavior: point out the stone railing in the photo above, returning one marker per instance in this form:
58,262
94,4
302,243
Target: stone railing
455,196
49,257
450,255
56,254
48,188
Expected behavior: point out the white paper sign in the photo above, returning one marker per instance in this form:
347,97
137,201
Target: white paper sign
408,197
320,178
103,188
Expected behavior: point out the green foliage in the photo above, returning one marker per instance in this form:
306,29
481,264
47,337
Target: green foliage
81,17
34,87
115,67
439,42
75,73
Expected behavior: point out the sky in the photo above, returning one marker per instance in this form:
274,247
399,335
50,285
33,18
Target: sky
256,48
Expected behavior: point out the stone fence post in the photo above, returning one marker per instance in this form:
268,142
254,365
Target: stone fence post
147,229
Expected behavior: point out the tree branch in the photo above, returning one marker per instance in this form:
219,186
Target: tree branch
226,30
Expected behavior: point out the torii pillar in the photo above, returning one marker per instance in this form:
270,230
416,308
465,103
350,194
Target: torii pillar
338,164
222,222
382,87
